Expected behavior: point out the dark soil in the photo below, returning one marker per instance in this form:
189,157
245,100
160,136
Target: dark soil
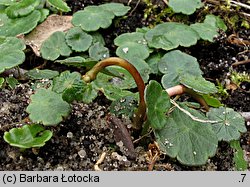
80,140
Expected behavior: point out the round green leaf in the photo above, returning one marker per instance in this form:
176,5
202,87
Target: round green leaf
78,40
117,9
215,21
59,4
47,107
55,46
208,30
132,50
132,45
21,8
230,123
191,142
75,92
135,37
184,6
158,103
11,54
176,64
92,18
170,35
27,136
70,85
205,31
41,74
97,37
12,43
198,84
98,52
23,25
65,81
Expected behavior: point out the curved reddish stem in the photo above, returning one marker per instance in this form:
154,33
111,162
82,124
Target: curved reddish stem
140,114
181,89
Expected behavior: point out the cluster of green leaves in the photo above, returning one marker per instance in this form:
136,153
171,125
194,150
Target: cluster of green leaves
17,18
21,17
188,134
49,106
181,132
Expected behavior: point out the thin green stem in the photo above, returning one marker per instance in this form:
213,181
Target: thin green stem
140,114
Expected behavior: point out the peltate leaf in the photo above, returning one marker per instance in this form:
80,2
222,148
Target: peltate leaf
158,103
97,37
136,37
78,40
215,21
98,52
23,25
132,45
47,107
75,92
92,18
184,6
208,30
41,74
230,123
176,64
27,136
12,43
117,9
55,46
70,85
59,4
65,81
11,54
191,142
170,35
21,8
198,84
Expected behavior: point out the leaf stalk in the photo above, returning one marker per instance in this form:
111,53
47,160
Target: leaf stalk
140,114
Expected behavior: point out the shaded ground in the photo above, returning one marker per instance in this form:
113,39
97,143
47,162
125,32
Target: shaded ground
80,140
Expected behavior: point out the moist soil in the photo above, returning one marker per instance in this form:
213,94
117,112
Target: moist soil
80,140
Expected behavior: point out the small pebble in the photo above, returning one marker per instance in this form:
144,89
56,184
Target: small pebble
82,153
